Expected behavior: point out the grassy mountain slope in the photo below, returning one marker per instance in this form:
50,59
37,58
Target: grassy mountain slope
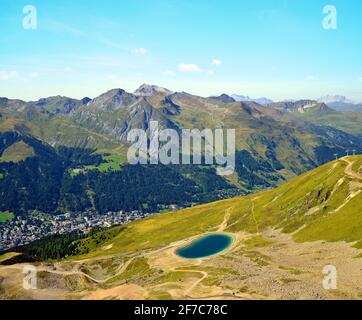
10,123
19,151
347,121
321,114
323,204
275,251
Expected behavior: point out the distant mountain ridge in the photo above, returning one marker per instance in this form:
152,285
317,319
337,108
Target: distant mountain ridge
262,100
59,104
341,103
346,107
301,106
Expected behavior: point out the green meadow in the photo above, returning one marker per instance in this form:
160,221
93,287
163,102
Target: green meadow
111,163
6,216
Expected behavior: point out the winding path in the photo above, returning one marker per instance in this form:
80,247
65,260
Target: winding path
77,272
349,169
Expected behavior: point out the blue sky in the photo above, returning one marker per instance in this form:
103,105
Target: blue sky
273,48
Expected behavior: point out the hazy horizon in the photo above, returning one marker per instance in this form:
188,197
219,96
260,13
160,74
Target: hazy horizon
132,90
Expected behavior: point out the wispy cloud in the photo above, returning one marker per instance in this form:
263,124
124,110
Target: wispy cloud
193,68
139,51
8,75
360,78
216,62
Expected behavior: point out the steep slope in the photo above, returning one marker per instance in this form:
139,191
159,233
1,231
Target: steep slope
117,112
282,240
289,145
346,121
13,105
282,139
322,204
31,172
10,123
49,120
36,176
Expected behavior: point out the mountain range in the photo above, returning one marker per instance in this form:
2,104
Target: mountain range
287,207
274,143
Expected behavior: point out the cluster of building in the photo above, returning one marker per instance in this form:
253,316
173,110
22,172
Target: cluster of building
23,230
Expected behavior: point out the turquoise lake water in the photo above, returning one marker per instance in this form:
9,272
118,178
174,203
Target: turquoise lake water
206,246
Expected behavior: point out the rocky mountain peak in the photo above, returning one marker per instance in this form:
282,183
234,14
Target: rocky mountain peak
147,90
113,99
86,100
223,98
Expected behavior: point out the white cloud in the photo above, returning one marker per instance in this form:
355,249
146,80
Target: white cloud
183,67
194,68
139,51
216,62
168,73
360,78
68,69
311,78
8,75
